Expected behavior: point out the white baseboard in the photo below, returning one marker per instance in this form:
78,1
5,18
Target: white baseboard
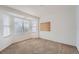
59,42
10,43
5,46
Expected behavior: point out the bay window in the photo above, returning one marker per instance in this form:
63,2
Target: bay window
10,25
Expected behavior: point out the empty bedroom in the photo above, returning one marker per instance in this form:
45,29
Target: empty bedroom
39,29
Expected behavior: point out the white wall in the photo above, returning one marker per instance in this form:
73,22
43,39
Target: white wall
77,23
63,25
5,42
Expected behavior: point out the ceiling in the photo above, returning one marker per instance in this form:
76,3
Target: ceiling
42,10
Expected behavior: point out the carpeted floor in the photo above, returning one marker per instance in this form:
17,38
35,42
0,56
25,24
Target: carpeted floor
39,46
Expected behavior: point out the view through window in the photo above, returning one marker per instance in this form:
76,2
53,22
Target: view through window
16,24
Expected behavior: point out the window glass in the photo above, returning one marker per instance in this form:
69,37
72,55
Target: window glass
34,24
6,31
6,25
26,26
13,25
6,20
18,25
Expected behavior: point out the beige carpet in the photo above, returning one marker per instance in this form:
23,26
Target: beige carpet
39,46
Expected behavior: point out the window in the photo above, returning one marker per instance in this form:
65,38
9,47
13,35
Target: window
34,24
13,25
18,25
21,25
6,25
26,26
